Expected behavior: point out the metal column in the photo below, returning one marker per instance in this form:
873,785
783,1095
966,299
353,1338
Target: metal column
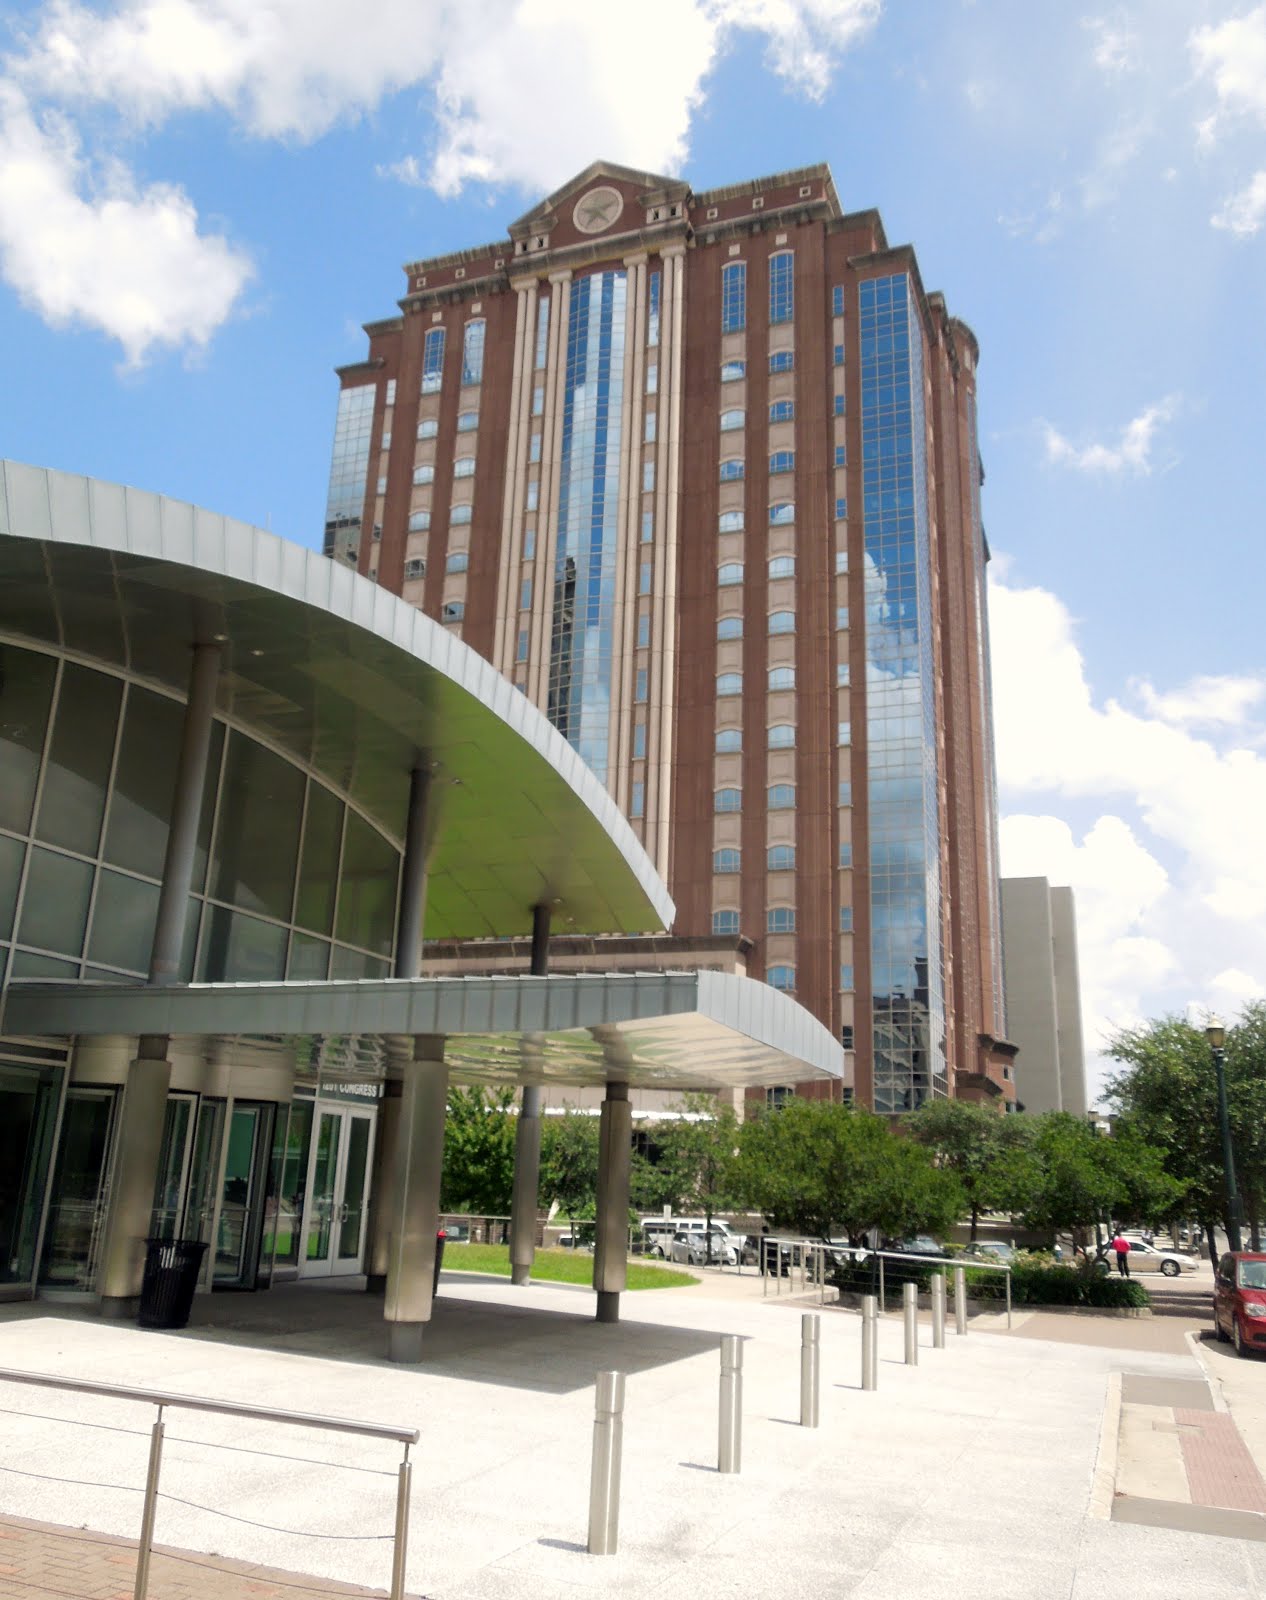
604,1471
810,1368
870,1342
910,1307
415,1203
960,1299
730,1414
938,1311
615,1160
527,1136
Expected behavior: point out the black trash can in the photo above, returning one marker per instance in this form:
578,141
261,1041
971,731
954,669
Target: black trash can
171,1276
440,1236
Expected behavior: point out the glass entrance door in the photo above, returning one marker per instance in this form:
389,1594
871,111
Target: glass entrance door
338,1180
237,1233
28,1116
78,1210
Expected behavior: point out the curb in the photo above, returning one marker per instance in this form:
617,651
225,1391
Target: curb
1104,1482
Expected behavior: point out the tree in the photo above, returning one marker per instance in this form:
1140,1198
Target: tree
697,1155
569,1162
479,1132
810,1165
985,1150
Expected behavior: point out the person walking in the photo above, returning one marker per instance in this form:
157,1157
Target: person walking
1122,1247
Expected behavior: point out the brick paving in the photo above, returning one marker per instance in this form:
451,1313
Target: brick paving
39,1559
1220,1471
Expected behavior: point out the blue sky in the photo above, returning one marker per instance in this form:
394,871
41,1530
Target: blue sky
202,200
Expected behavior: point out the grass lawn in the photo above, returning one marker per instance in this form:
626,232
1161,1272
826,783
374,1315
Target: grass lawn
557,1266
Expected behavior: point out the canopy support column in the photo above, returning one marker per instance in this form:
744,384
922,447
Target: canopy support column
615,1161
527,1137
413,1205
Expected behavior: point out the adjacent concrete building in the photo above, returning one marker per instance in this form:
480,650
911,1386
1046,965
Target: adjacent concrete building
698,473
1044,994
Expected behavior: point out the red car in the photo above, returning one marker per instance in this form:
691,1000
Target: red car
1239,1300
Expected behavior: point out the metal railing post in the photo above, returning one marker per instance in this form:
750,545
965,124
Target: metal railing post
1008,1297
870,1343
730,1421
910,1297
810,1368
146,1544
879,1310
960,1299
938,1311
604,1476
400,1544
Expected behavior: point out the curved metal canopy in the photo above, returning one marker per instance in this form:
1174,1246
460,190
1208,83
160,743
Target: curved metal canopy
340,675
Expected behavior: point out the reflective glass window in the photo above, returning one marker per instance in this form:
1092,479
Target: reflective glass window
838,407
12,853
732,371
837,300
419,521
237,948
780,857
652,319
432,360
731,471
460,515
428,428
534,495
780,919
841,562
452,611
782,461
783,978
643,631
729,573
55,903
782,797
309,958
782,566
123,917
729,740
841,455
318,865
731,421
727,800
845,796
26,694
782,411
649,423
648,477
367,888
525,594
473,353
782,360
652,377
782,300
467,421
729,683
529,543
538,400
423,475
782,622
730,522
457,561
638,806
78,771
648,527
846,854
257,830
782,736
640,686
415,567
542,331
725,922
841,508
725,860
838,355
841,617
846,978
782,513
733,297
781,678
523,644
144,783
534,448
841,675
644,578
464,467
844,733
729,627
846,919
639,741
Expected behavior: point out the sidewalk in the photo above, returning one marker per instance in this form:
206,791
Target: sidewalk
975,1471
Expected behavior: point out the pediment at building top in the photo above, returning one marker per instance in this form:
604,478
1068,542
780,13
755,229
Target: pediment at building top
603,198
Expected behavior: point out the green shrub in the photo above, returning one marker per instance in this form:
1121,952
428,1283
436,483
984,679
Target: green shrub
1034,1282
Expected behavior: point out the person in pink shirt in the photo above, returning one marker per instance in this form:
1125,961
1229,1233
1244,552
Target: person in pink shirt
1122,1247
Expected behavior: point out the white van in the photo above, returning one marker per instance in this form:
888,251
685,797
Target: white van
659,1232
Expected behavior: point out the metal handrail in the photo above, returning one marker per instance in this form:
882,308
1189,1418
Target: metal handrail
804,1250
234,1408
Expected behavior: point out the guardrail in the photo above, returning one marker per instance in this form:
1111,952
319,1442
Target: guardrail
233,1408
782,1257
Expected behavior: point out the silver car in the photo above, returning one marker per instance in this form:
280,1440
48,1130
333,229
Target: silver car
691,1249
1146,1257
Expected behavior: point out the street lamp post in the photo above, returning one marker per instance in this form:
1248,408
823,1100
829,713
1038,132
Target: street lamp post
1215,1033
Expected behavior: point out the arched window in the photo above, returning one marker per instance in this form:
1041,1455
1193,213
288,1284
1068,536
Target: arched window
733,297
729,741
731,420
731,471
458,561
732,371
464,467
782,736
729,628
729,573
781,858
729,683
730,522
781,360
725,922
467,421
782,461
782,622
428,428
459,515
782,513
780,919
432,360
727,800
423,475
452,611
782,411
473,353
781,678
782,566
782,294
782,797
725,860
419,521
783,978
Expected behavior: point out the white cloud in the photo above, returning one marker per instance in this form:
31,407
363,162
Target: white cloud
515,88
94,247
1238,987
1041,223
1132,452
1205,701
1114,45
1233,55
1244,212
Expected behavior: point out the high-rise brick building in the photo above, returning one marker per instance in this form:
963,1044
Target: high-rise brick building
699,474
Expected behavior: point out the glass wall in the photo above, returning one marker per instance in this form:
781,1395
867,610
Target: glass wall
585,570
349,468
288,880
907,980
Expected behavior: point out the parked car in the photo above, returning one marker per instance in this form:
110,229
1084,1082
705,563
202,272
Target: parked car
1239,1300
457,1232
568,1241
692,1248
1145,1257
921,1245
991,1250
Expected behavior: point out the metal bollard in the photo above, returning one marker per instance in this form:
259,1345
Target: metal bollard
604,1476
400,1549
960,1299
730,1423
938,1311
910,1296
810,1369
870,1352
146,1543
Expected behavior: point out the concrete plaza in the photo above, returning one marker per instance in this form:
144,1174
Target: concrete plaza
1002,1466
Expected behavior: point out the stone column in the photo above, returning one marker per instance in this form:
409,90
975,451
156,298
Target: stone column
381,1185
138,1147
527,1137
615,1160
413,1205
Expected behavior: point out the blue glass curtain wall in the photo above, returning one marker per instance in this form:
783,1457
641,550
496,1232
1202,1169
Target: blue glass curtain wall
585,567
906,959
